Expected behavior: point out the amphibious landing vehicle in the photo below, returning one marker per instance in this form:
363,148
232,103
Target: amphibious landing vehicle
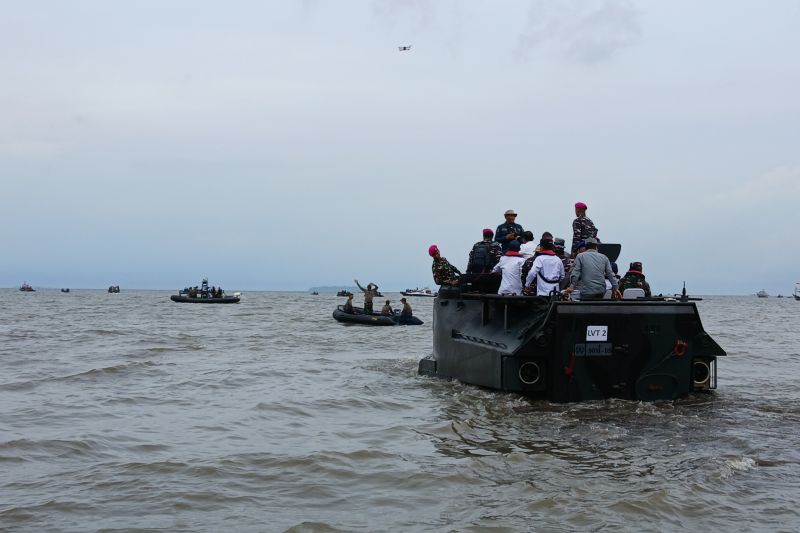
564,351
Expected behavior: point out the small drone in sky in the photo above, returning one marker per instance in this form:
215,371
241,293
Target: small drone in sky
404,48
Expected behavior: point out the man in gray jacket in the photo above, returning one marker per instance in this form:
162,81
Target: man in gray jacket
589,272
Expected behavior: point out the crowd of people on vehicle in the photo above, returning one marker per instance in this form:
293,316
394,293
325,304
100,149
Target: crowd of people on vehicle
544,268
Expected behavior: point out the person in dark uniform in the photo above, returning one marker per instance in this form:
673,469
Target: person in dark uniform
508,231
566,259
484,254
582,227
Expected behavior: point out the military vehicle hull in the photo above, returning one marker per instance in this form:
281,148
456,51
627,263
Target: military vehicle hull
572,351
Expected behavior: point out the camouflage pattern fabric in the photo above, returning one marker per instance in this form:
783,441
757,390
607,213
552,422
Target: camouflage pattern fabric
634,280
582,228
444,273
525,269
492,249
567,261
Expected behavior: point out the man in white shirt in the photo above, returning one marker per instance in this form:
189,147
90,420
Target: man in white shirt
510,265
547,270
528,247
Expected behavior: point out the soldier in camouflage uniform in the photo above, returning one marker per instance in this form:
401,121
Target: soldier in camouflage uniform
508,231
582,226
566,260
634,279
369,293
444,273
484,254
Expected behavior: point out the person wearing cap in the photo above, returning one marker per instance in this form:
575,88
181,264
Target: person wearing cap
547,270
510,266
444,274
484,254
589,272
634,279
508,231
566,260
386,310
582,226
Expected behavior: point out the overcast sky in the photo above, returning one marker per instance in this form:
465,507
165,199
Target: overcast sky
282,145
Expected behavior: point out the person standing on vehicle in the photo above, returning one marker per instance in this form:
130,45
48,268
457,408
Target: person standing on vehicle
510,265
508,231
484,254
547,270
582,227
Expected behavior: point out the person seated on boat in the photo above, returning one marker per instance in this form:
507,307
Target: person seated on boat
510,266
444,274
589,272
220,292
348,305
193,292
406,312
484,254
634,279
547,271
386,310
527,247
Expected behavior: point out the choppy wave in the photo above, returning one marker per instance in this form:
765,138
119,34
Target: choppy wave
136,414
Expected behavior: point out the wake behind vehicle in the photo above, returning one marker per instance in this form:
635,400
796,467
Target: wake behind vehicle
639,349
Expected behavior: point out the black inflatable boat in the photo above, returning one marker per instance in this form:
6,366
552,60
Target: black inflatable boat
204,300
374,319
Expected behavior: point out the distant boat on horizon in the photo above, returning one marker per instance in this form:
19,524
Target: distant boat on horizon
26,288
762,294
